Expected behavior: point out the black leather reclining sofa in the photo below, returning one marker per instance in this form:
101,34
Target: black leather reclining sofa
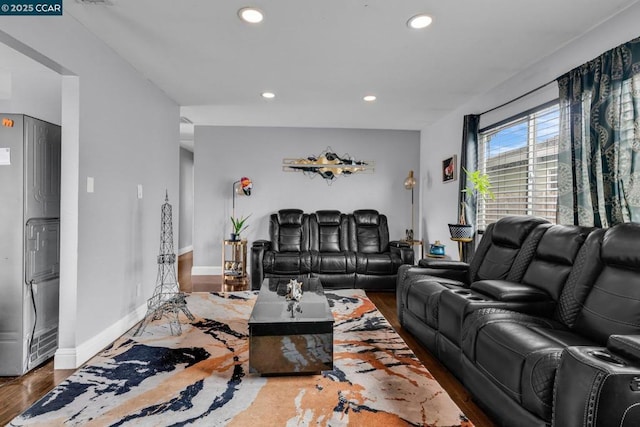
543,326
343,250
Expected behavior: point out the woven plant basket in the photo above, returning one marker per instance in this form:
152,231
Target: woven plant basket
461,231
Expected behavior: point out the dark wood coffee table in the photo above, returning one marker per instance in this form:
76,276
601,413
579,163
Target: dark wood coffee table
290,337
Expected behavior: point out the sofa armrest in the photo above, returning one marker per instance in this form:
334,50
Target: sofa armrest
453,270
597,387
399,244
504,290
404,250
264,244
443,264
258,248
627,346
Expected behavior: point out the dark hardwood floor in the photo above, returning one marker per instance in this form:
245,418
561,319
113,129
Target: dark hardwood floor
386,303
18,393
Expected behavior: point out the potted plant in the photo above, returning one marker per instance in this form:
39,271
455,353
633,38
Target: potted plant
238,226
479,185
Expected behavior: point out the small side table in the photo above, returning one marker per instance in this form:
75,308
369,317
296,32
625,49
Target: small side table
460,243
419,243
234,263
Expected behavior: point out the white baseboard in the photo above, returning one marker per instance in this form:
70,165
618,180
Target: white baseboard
72,358
204,270
185,250
65,358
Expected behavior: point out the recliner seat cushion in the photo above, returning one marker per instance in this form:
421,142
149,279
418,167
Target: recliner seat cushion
377,263
329,231
367,217
328,217
554,257
289,231
290,239
491,260
287,263
329,238
368,240
368,232
290,217
495,257
613,304
594,277
512,231
519,353
333,262
325,244
586,268
497,262
329,254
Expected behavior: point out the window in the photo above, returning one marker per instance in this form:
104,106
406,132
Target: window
520,157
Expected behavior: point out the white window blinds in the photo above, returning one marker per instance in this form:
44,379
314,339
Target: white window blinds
521,159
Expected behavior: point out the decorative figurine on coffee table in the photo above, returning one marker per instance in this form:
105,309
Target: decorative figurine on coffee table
294,290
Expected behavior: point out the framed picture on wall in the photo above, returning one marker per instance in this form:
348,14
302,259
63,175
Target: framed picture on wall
449,169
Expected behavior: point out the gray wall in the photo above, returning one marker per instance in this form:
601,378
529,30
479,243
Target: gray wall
186,201
225,154
35,90
443,138
126,132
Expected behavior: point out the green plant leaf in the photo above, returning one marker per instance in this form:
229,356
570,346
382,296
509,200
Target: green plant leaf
480,184
238,224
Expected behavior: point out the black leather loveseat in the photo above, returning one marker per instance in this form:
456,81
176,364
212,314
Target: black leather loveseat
343,250
543,326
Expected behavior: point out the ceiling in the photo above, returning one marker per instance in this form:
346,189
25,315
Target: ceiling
320,57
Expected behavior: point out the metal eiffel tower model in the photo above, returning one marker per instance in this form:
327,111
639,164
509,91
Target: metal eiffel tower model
167,300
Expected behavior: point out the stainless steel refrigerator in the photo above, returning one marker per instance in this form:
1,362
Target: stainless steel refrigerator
29,242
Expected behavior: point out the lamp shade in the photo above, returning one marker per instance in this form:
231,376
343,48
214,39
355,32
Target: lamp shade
241,187
245,186
410,181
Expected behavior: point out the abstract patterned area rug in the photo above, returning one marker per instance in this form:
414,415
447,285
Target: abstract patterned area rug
202,377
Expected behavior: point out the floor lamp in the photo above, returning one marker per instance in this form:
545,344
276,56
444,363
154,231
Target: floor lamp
244,188
409,184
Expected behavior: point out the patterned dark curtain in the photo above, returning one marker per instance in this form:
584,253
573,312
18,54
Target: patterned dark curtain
468,160
599,147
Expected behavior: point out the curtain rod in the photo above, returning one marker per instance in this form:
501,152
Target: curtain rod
518,98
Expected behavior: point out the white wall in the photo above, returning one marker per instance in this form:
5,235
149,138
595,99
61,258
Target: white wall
123,131
443,138
36,93
186,201
225,154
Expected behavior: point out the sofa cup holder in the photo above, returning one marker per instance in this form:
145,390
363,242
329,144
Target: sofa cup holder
605,357
461,292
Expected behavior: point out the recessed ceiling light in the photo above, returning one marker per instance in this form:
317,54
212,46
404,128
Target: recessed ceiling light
250,15
419,21
268,95
369,98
